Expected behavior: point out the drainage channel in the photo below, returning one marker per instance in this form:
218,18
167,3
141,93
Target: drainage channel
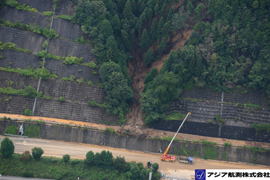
39,80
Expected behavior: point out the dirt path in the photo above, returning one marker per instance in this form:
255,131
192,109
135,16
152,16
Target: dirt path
79,150
148,131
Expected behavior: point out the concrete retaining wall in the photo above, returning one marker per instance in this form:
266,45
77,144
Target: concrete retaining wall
72,134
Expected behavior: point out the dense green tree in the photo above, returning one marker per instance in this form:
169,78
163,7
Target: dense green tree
163,9
160,27
156,100
153,31
148,58
107,158
155,167
190,7
121,164
97,160
198,11
116,86
105,29
179,19
149,14
170,14
126,41
7,148
90,13
199,67
151,75
90,157
144,40
156,9
116,24
127,13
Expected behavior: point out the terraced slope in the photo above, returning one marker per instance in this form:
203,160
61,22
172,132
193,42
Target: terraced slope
75,92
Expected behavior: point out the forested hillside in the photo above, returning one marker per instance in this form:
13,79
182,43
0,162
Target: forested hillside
228,49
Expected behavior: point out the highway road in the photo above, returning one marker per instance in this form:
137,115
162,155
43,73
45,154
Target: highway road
79,150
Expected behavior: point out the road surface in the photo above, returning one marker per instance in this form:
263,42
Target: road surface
79,150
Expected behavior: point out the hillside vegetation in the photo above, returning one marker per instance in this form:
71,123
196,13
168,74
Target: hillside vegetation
228,48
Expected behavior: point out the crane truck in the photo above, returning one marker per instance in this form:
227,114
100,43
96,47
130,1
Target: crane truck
168,158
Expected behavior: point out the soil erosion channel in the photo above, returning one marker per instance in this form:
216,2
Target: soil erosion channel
137,71
79,150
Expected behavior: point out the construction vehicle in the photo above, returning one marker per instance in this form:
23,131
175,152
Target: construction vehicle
185,159
166,157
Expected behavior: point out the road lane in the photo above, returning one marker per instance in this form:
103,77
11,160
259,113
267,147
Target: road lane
79,150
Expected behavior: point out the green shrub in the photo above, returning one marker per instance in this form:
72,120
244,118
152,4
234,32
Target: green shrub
93,103
61,99
12,129
48,13
26,156
66,158
66,17
47,97
12,46
227,144
73,60
37,153
91,64
109,130
89,82
45,45
80,40
208,143
27,112
80,81
7,148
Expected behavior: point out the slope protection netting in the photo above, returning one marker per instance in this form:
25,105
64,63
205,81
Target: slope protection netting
65,8
15,104
25,17
66,29
78,71
205,111
72,110
72,91
23,39
16,81
15,59
64,48
40,5
76,106
252,96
